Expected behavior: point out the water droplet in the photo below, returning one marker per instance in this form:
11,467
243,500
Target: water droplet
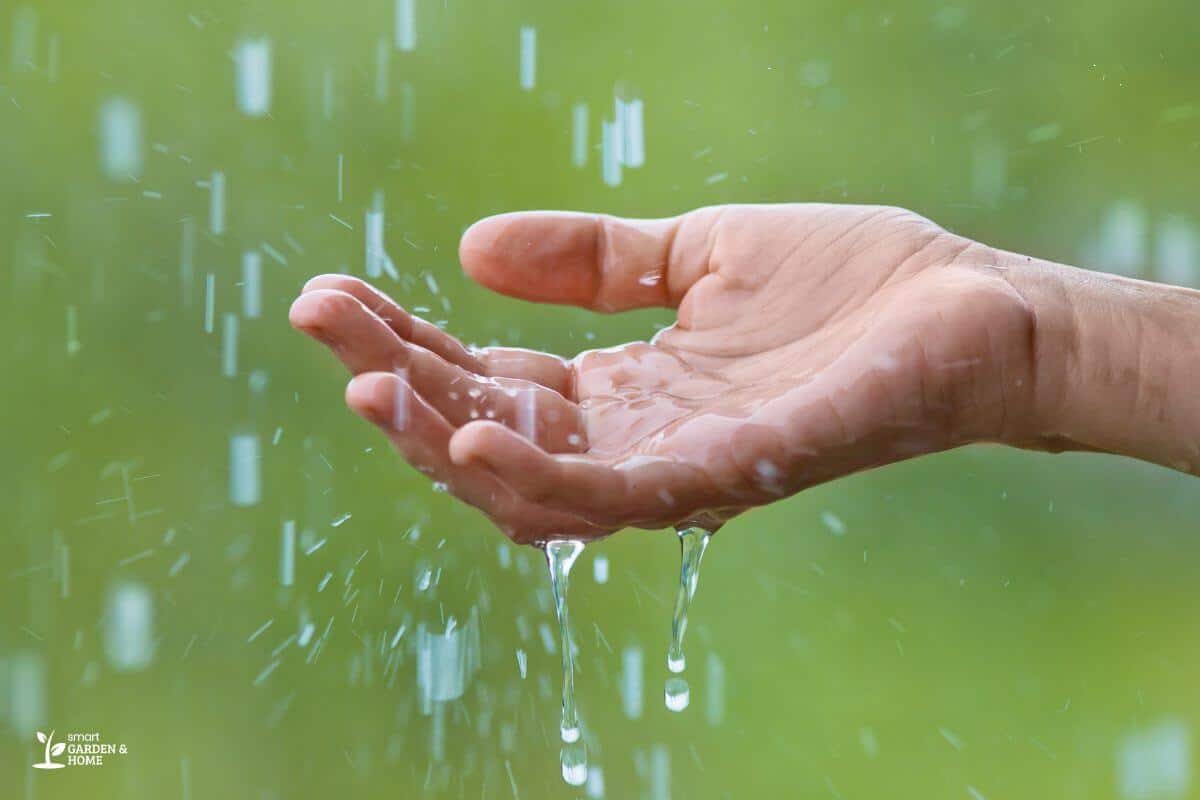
129,627
678,693
522,663
573,758
631,681
600,569
834,523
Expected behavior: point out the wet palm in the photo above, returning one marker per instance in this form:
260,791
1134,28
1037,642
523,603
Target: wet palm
812,341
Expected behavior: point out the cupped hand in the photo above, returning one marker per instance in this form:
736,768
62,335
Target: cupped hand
811,341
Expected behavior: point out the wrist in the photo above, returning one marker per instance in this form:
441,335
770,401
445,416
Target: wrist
1053,351
1113,360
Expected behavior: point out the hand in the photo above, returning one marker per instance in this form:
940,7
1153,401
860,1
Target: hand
812,341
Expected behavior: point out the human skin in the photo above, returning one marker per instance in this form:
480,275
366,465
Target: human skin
811,342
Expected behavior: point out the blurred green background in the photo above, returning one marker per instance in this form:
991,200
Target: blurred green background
982,624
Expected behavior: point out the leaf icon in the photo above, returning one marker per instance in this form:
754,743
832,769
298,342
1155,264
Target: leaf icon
58,749
41,737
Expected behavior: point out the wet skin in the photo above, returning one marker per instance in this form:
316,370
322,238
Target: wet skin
811,341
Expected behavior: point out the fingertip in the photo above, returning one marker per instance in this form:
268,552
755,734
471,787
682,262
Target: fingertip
544,256
328,280
520,463
472,441
373,396
485,230
303,312
314,310
477,247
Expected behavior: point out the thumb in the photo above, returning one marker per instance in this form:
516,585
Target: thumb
592,260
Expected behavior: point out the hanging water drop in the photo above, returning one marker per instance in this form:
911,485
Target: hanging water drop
677,693
573,758
692,544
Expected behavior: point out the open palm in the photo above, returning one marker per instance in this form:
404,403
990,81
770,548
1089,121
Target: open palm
812,341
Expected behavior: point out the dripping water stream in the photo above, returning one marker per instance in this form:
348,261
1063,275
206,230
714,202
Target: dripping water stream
561,555
692,544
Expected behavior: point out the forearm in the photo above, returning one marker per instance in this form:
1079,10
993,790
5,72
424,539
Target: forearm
1117,363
